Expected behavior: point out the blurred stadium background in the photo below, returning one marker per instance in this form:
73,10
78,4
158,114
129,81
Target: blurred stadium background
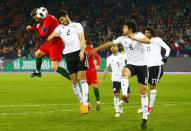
102,20
49,103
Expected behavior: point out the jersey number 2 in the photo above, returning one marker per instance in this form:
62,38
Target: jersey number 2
68,32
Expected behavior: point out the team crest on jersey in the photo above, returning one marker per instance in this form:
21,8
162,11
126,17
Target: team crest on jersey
121,58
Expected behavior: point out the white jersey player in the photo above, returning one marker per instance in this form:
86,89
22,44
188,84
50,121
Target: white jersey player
155,62
72,35
116,62
132,43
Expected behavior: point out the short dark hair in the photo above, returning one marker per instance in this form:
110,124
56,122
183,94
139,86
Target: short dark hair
61,13
152,31
33,12
131,25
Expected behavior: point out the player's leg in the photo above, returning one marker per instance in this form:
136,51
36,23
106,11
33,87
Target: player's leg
38,55
142,75
122,101
82,75
93,80
71,66
96,93
127,72
82,66
75,86
55,53
88,78
116,89
155,73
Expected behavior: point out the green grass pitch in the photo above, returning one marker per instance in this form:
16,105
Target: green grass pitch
49,104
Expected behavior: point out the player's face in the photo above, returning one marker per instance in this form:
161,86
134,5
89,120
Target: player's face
148,34
126,30
114,49
64,20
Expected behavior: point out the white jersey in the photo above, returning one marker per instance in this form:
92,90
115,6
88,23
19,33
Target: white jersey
69,35
116,63
153,55
134,50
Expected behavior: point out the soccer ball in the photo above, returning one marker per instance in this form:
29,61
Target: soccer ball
41,13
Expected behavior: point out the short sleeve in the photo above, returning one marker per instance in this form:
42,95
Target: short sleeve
118,40
58,29
139,35
80,29
108,62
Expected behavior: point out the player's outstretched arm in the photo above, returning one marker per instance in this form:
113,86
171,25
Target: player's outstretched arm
142,40
52,36
105,45
104,75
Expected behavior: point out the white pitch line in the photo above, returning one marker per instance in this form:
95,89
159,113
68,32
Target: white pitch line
69,110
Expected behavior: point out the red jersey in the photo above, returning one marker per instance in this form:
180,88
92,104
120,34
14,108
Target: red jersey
91,58
47,27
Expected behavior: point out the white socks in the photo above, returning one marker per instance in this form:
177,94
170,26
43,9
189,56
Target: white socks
116,103
152,97
121,102
124,85
76,89
84,91
144,102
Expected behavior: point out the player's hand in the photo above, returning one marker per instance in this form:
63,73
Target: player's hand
100,83
131,37
97,68
28,27
81,55
165,59
38,25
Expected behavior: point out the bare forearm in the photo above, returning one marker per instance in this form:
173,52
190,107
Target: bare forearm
83,45
104,74
106,45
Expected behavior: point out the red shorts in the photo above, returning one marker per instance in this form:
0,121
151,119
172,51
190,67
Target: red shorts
54,50
91,76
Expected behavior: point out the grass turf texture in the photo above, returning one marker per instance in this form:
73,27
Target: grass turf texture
49,104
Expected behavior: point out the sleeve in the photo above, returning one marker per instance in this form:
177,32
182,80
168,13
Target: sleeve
96,56
43,29
108,62
140,35
165,46
34,29
58,29
80,29
118,40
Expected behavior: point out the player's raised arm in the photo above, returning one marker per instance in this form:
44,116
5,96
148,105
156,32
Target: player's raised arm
104,75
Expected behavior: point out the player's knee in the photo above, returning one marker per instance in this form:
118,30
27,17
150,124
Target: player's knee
116,94
152,87
37,55
143,90
54,67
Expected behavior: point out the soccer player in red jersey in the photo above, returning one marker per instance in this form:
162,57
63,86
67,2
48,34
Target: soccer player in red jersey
52,48
91,74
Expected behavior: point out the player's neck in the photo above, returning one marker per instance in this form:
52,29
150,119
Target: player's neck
116,53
